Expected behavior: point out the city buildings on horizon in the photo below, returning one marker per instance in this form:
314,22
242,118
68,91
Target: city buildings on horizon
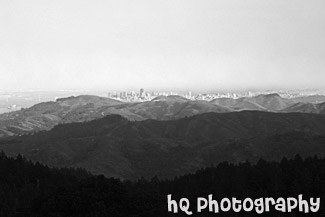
13,101
143,95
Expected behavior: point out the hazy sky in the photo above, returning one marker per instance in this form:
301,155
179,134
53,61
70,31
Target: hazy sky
162,44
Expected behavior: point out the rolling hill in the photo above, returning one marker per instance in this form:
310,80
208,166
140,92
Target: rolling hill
117,147
264,102
45,116
306,108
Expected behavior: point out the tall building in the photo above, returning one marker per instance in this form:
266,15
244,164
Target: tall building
141,92
189,95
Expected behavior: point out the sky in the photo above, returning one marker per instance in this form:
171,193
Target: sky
198,45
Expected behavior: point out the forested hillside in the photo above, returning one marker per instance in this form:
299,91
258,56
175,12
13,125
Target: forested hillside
31,189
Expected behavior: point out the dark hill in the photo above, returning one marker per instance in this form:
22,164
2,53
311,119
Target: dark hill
33,190
115,146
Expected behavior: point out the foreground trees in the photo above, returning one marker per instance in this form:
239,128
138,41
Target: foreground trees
32,189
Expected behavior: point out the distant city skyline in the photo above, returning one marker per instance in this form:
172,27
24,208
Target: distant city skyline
202,46
13,101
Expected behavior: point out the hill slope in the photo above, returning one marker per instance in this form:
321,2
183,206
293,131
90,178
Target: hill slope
45,116
306,108
117,147
268,102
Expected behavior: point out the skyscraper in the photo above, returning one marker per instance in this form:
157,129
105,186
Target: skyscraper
141,92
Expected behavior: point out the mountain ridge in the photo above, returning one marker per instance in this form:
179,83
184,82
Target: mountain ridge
44,116
115,146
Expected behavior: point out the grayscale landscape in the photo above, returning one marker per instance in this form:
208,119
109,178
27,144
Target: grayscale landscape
107,107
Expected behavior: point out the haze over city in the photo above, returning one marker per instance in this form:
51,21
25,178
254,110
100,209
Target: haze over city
161,45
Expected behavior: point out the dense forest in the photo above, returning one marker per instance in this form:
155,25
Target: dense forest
32,189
